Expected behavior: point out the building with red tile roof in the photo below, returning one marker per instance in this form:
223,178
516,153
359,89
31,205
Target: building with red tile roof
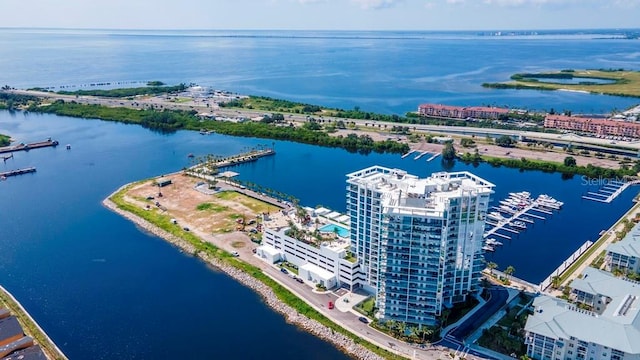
459,112
593,125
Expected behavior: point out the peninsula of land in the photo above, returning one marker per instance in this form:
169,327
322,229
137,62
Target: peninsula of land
617,82
355,130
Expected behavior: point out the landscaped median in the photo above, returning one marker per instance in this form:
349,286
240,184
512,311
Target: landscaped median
276,296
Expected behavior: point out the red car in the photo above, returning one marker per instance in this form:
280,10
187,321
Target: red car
330,305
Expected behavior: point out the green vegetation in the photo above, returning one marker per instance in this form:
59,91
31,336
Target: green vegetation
127,92
507,336
367,307
172,120
211,207
205,250
155,83
448,152
4,140
505,141
623,83
10,101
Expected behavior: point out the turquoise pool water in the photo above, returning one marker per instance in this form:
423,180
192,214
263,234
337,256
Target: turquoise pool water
342,232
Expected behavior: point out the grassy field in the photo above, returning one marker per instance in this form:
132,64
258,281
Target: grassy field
625,83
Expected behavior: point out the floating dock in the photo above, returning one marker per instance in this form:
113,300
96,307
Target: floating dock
610,191
433,157
517,211
421,155
27,147
409,153
6,174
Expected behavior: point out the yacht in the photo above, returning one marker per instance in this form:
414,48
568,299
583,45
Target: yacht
492,242
488,248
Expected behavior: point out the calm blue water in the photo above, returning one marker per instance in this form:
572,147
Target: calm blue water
103,289
389,72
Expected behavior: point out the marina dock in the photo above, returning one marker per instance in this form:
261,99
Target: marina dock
219,163
27,147
610,191
433,157
6,174
409,153
514,215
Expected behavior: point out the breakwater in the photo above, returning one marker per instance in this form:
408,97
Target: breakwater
292,316
27,147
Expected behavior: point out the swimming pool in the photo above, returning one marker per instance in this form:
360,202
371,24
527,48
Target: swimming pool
342,232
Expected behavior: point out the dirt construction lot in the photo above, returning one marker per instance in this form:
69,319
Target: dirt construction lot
225,218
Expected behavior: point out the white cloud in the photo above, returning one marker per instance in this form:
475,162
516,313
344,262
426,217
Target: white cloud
376,4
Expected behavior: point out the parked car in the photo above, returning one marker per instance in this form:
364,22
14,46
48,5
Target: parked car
363,319
331,306
185,228
299,280
284,270
235,253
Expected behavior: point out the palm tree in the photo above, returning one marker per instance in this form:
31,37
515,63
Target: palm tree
509,270
402,328
555,282
491,265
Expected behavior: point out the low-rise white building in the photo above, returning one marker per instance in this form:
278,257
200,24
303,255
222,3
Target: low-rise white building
602,324
624,255
319,248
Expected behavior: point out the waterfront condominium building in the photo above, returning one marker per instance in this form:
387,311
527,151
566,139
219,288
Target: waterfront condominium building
602,323
624,255
418,241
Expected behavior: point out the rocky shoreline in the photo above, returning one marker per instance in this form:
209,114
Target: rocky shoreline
341,341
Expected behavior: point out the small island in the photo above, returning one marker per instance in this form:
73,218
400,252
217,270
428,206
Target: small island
616,82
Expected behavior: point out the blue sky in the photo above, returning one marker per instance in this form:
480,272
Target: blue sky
322,14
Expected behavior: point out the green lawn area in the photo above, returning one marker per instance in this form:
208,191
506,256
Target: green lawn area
367,306
211,207
289,267
624,83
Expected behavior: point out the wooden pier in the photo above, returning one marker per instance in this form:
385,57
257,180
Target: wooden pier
6,174
27,147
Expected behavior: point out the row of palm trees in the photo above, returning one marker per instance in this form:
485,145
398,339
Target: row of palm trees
509,271
409,333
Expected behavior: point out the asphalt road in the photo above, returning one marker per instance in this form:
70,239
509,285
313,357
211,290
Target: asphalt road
497,300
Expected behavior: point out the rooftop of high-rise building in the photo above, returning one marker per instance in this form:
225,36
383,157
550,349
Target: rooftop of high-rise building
401,190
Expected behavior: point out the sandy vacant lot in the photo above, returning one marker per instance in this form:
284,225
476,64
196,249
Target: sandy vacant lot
216,218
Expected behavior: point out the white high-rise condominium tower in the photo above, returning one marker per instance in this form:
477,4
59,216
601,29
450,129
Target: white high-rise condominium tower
418,241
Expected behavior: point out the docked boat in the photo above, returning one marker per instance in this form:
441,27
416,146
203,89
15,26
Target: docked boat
548,201
518,224
495,216
488,248
492,242
522,195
